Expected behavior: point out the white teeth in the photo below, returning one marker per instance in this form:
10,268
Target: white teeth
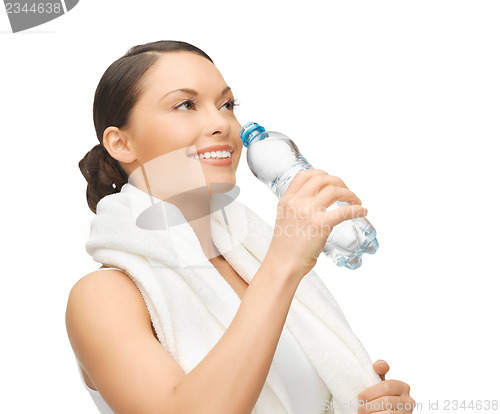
212,154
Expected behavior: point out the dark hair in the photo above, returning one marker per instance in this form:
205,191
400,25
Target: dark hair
115,96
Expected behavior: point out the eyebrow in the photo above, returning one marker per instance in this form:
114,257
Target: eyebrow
192,91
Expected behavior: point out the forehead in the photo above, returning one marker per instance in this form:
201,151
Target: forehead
175,70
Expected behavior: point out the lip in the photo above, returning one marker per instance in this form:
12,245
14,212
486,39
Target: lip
216,162
214,147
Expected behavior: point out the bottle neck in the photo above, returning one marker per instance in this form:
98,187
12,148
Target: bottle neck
257,137
252,132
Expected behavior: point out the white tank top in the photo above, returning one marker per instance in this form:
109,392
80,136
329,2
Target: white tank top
305,389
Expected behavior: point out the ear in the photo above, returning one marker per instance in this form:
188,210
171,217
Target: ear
117,144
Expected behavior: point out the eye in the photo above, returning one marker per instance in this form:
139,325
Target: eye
230,105
186,105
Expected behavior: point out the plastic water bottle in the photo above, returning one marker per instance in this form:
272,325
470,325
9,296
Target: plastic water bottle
275,159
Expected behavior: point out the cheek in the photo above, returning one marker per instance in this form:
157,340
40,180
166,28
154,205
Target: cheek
159,138
238,153
237,160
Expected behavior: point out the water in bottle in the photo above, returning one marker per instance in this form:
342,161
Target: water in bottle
275,159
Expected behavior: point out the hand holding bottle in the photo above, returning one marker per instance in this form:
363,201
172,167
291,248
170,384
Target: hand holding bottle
275,160
303,223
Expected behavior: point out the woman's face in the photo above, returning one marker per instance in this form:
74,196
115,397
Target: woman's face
185,107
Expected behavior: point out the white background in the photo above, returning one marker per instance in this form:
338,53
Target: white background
400,99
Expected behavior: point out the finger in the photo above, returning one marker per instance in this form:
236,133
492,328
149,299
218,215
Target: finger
301,178
314,185
381,404
381,367
343,213
387,387
330,193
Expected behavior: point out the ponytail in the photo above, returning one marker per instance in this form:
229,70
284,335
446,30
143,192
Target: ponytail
103,173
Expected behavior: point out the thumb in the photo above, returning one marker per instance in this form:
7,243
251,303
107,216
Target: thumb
381,368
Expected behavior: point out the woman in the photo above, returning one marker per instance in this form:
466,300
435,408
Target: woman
154,110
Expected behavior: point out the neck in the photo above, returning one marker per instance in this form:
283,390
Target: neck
196,210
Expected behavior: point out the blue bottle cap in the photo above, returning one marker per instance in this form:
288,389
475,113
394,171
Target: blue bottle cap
250,131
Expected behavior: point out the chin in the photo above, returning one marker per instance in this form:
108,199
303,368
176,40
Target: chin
220,176
221,188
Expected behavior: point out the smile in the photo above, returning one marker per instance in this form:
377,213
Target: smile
214,158
217,155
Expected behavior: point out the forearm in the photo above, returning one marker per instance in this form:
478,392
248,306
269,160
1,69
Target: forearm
231,376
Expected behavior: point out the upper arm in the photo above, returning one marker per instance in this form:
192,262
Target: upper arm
109,329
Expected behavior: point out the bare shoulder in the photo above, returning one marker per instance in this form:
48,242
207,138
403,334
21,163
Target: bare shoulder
111,292
109,297
104,276
104,283
109,328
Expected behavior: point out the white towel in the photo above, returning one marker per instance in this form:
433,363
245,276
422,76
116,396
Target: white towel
191,305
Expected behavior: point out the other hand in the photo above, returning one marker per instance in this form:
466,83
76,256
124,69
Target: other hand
387,395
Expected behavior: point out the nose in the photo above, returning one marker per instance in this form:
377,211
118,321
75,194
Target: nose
217,123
